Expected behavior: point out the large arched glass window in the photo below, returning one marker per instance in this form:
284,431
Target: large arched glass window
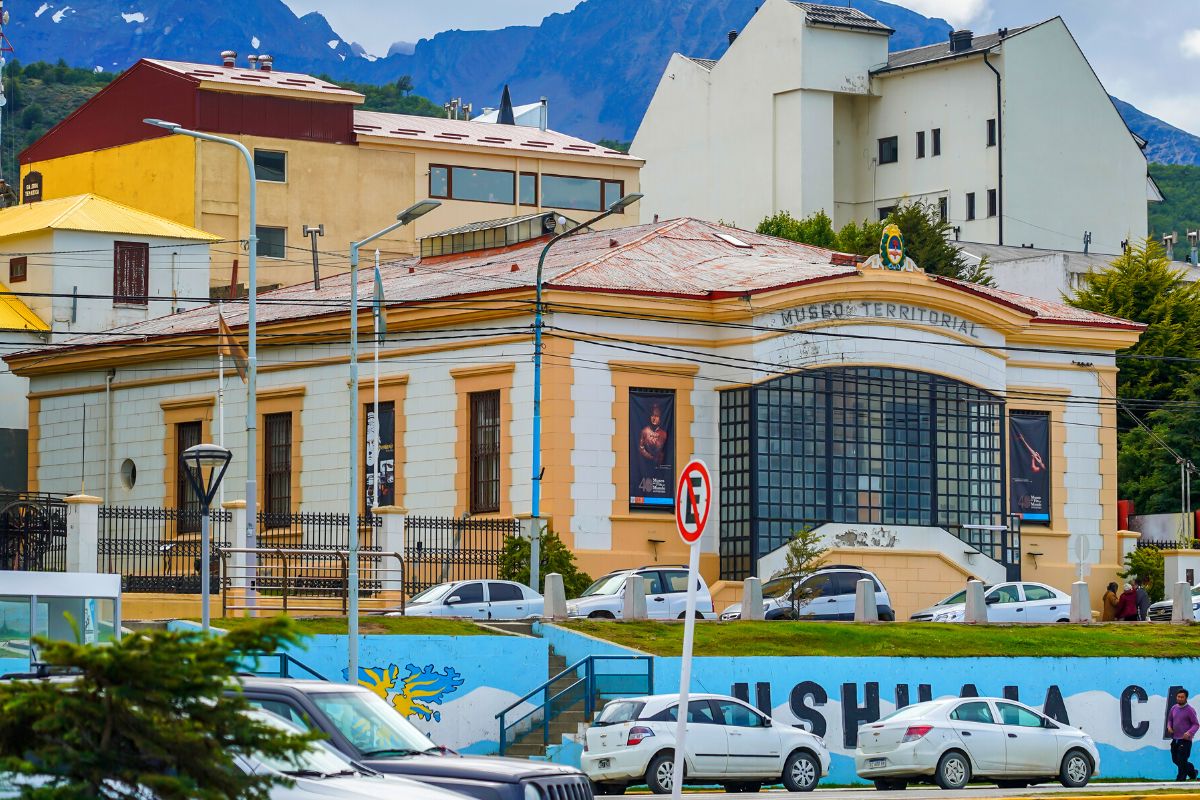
863,445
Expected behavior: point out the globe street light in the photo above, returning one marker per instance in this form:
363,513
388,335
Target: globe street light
205,465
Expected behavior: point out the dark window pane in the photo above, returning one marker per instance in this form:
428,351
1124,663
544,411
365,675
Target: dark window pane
528,189
18,269
943,209
613,191
970,205
270,166
468,593
272,242
991,133
991,200
485,452
937,141
439,182
277,469
559,191
187,434
889,150
131,273
920,144
503,592
483,185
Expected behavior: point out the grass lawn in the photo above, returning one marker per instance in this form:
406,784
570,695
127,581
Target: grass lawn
900,639
395,626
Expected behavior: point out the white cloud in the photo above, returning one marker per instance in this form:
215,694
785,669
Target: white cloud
959,13
1190,43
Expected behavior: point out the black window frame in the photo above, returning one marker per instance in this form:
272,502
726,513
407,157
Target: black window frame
991,132
944,209
265,242
970,206
131,273
450,192
484,444
601,186
258,174
187,503
18,269
505,588
889,150
935,148
885,212
993,203
278,440
458,592
520,188
920,144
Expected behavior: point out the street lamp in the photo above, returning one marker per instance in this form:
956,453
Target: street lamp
535,505
252,331
205,465
405,217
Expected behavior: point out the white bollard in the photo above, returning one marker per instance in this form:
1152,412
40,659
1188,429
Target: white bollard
1181,605
865,609
555,603
634,605
752,602
976,610
1081,604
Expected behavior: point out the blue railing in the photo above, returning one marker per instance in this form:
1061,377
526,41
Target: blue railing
287,666
591,686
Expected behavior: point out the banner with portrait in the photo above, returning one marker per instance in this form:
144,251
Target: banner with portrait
652,449
385,431
1029,465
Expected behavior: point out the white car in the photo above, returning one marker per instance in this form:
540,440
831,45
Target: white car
1161,611
666,594
728,742
476,600
1006,602
832,589
954,741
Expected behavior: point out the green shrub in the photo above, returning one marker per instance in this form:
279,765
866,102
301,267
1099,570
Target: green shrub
552,557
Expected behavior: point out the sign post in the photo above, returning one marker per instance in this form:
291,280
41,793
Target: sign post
694,498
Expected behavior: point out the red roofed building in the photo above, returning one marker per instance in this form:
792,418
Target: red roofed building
930,429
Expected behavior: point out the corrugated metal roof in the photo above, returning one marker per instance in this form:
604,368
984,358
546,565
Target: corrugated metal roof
405,127
487,225
674,258
89,212
902,59
16,316
841,17
239,79
707,63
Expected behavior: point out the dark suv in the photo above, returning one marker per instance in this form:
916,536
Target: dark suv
362,725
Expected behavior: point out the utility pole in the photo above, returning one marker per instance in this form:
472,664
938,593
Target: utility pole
312,233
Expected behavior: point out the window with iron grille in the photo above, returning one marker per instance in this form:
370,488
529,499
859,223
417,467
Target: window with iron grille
18,269
131,273
277,468
187,434
485,452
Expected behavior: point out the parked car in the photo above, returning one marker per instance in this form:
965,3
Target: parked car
1006,602
666,594
833,589
728,742
476,599
364,727
954,741
1161,611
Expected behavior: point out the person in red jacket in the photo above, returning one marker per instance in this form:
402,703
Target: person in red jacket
1127,605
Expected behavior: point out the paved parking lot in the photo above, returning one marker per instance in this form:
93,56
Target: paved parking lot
934,793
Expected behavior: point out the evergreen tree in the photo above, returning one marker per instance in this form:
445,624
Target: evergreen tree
146,714
553,556
1149,473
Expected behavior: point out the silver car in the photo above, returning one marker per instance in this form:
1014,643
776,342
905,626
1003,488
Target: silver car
1006,602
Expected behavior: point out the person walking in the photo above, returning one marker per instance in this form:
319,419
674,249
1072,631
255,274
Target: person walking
1181,727
1127,605
1109,611
1143,600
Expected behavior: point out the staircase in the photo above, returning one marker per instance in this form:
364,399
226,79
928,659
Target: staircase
565,722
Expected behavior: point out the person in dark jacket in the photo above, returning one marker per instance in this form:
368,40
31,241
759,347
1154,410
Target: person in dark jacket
1127,605
1109,614
1143,600
1181,727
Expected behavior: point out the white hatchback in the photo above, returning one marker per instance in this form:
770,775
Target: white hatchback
666,594
957,740
1006,602
481,600
728,743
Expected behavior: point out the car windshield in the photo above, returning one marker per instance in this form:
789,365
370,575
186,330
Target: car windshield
315,759
609,584
620,711
781,587
371,725
908,712
959,597
432,594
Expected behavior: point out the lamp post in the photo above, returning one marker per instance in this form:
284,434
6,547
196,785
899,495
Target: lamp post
405,217
252,329
535,504
205,465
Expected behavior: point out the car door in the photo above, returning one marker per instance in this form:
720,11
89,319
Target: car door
977,728
845,587
1008,606
1044,605
754,747
658,600
506,601
675,585
466,600
707,741
1030,748
823,599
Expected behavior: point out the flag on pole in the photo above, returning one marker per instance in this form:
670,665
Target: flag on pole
380,308
229,346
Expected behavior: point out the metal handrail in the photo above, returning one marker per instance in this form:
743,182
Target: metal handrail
248,573
589,697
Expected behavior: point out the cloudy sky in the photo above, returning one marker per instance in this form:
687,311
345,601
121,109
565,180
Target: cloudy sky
1146,53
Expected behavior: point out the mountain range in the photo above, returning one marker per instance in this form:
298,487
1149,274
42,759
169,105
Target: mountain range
598,64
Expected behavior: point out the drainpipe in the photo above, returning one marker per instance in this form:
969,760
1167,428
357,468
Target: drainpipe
108,379
174,285
999,149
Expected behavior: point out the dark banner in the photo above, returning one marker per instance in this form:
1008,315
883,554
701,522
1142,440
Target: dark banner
1029,466
652,449
387,455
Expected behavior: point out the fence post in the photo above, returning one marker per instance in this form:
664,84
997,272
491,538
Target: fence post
237,572
83,533
391,540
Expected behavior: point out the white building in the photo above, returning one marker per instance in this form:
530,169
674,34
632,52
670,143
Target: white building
1010,133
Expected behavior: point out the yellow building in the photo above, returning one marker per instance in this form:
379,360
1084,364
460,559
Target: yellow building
320,160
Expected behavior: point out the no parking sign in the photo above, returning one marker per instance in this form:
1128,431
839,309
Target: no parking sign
693,500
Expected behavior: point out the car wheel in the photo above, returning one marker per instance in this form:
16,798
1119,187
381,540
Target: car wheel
601,615
890,785
683,614
660,775
1076,769
953,771
801,772
606,789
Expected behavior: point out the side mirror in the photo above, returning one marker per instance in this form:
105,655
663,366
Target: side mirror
766,722
452,600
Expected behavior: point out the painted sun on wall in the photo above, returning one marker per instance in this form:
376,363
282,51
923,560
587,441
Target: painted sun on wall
416,693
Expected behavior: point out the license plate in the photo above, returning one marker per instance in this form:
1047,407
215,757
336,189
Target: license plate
604,763
875,763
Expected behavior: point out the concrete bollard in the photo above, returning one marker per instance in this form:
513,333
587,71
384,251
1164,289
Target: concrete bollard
555,605
634,605
1181,605
976,610
1081,604
752,602
865,608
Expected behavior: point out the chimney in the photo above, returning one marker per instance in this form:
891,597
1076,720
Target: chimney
732,36
544,114
265,62
960,41
228,59
253,61
1002,33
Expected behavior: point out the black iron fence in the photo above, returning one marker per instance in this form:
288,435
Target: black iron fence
310,541
158,549
33,532
1169,544
440,549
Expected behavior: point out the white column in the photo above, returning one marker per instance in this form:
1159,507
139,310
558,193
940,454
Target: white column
1081,604
83,533
634,600
391,540
238,562
1181,605
555,603
865,607
976,609
752,602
